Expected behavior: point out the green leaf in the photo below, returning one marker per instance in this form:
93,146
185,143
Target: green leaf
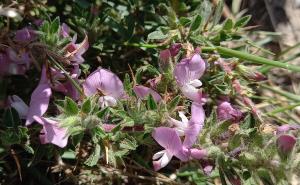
151,104
196,23
205,10
218,12
69,154
228,25
184,21
11,118
102,112
173,103
127,84
157,35
129,143
94,157
70,121
55,26
70,107
242,21
86,106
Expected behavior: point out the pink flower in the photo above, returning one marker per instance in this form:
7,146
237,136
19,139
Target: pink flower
106,84
51,132
225,111
142,92
170,141
75,51
286,143
187,74
39,99
190,128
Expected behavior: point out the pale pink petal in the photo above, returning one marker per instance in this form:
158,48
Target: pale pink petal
195,125
105,82
51,132
142,92
169,139
39,102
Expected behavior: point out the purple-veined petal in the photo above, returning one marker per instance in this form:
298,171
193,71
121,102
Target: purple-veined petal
187,74
195,125
17,103
142,92
105,82
286,143
39,102
169,139
51,132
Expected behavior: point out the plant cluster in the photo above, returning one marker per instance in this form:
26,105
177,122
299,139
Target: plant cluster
137,92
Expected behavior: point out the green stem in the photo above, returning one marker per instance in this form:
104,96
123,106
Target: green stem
265,69
286,94
76,85
283,109
142,45
256,59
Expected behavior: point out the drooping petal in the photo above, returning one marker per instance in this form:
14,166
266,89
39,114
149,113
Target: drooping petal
51,132
17,103
39,102
104,81
169,139
142,92
286,143
195,125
